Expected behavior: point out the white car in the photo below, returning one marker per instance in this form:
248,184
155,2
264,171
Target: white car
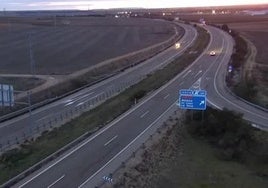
177,45
212,53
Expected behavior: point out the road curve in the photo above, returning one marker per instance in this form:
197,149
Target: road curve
84,165
23,126
219,95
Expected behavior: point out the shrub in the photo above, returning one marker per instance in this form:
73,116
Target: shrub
224,129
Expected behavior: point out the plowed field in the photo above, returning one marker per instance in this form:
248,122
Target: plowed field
65,45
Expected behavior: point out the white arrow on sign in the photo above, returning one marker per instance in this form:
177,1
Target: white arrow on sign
202,102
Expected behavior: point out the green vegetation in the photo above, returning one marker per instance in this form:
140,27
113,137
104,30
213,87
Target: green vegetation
22,83
199,160
221,151
238,57
233,138
17,160
242,87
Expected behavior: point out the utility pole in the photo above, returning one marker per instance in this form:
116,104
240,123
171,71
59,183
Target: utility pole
32,62
30,111
9,25
55,21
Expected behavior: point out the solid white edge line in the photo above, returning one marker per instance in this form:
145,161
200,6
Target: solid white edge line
227,100
81,96
97,85
213,104
126,146
110,140
69,103
81,103
159,90
56,181
118,119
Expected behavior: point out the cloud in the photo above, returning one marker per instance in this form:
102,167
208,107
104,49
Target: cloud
49,4
96,4
66,4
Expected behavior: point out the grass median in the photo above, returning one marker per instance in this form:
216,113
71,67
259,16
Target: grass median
17,160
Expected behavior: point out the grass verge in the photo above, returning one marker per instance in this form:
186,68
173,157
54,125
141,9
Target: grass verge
238,80
200,163
22,83
18,160
193,154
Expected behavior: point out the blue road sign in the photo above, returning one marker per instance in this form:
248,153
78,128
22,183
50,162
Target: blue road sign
6,95
192,99
193,92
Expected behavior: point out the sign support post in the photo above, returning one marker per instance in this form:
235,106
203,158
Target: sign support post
193,100
30,110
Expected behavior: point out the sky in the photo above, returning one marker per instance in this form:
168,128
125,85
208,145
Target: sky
105,4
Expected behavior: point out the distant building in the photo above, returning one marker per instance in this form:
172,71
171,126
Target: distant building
255,13
202,21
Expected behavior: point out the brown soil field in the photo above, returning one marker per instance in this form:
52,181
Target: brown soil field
73,43
255,28
225,18
257,34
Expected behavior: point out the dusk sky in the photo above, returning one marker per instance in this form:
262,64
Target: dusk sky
105,4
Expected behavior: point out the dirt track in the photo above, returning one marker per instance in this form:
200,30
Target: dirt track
71,44
257,69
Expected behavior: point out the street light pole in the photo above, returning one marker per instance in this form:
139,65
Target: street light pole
32,62
30,110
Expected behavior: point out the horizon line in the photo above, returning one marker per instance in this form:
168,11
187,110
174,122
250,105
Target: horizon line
144,8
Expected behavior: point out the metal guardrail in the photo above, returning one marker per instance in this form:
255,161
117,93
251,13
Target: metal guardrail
48,101
57,119
38,165
162,46
236,96
245,101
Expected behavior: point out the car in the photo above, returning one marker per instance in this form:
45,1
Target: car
212,53
177,45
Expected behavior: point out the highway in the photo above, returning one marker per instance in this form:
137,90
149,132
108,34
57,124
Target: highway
219,95
79,167
25,126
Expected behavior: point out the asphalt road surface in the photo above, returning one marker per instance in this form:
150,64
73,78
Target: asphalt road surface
77,167
218,94
26,124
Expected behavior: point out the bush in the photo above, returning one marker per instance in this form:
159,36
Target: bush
225,27
138,95
224,129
